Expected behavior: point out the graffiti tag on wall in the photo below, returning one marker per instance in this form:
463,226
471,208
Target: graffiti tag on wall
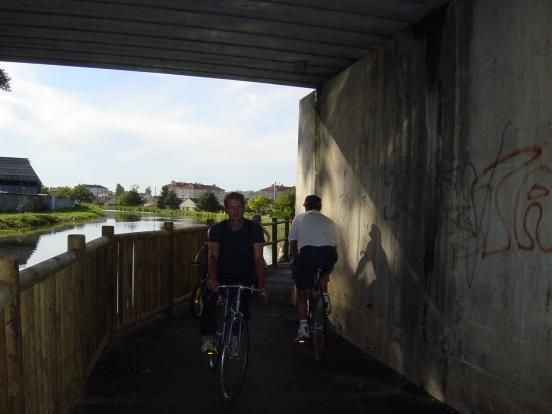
503,207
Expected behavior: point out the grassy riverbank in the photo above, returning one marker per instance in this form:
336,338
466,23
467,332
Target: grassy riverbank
19,222
200,216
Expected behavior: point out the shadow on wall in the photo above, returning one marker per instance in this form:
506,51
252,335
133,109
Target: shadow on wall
377,292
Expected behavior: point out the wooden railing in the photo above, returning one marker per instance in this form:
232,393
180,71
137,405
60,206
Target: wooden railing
57,316
274,239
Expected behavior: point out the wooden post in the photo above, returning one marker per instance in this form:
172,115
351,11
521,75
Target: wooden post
274,241
286,241
76,243
111,270
9,273
169,226
108,231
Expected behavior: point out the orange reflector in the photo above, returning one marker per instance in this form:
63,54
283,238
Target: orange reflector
210,353
196,301
301,341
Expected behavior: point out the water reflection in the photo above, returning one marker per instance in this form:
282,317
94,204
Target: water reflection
34,248
127,217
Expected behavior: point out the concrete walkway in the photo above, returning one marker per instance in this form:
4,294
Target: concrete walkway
157,368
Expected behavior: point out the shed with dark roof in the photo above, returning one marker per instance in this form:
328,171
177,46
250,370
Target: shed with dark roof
17,176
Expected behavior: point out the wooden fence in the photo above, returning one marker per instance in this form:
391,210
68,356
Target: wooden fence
56,317
275,241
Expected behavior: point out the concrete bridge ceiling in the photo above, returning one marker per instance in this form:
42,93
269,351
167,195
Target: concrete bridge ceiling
290,42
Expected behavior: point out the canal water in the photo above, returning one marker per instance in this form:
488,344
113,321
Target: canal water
36,247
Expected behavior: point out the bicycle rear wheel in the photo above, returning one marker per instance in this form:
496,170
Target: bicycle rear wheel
196,301
233,361
319,326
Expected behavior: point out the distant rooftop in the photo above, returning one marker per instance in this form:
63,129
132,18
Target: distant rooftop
196,186
94,186
278,187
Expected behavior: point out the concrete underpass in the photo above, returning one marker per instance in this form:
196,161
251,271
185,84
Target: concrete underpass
428,138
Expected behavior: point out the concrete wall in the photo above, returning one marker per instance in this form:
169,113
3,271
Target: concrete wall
26,202
434,157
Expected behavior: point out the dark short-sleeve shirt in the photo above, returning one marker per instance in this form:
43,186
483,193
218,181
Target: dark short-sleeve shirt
236,255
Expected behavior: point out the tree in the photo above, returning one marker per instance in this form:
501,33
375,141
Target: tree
64,192
208,201
167,198
4,81
81,193
284,206
162,199
258,204
172,200
130,198
119,190
148,190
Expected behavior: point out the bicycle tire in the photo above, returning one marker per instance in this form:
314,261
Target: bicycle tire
233,365
319,326
196,301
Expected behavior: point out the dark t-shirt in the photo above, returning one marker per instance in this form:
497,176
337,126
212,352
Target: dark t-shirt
236,256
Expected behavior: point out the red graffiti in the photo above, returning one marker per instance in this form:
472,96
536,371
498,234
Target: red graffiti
492,220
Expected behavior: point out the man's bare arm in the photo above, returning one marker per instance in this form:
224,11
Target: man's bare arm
213,260
294,249
259,264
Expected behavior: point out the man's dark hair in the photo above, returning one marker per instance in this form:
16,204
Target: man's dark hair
312,202
234,195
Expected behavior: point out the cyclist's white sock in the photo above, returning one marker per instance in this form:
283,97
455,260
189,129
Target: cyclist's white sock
303,322
325,295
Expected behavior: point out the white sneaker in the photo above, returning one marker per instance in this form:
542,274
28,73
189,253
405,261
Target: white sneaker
327,304
208,343
302,333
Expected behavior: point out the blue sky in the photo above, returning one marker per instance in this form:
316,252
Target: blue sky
94,126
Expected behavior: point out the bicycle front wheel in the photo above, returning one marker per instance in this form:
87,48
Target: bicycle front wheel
196,301
233,361
319,326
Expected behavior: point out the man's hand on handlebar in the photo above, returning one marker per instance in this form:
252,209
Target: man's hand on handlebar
264,293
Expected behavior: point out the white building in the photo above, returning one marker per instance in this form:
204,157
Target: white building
195,190
188,204
97,190
274,191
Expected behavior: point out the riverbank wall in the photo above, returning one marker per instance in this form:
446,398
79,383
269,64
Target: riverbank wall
11,202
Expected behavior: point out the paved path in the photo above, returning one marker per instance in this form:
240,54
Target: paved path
157,368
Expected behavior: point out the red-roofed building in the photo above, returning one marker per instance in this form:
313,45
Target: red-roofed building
195,190
274,191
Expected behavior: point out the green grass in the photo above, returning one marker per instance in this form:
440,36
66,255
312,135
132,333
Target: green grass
19,222
200,216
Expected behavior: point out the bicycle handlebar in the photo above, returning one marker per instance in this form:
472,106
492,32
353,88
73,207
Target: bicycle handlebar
240,287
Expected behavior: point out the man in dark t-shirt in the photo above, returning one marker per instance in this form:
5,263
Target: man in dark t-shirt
235,257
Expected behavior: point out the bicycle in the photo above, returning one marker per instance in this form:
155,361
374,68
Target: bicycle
317,318
196,300
232,340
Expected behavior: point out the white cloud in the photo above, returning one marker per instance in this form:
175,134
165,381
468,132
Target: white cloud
148,130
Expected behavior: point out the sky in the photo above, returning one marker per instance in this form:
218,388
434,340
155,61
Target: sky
96,126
